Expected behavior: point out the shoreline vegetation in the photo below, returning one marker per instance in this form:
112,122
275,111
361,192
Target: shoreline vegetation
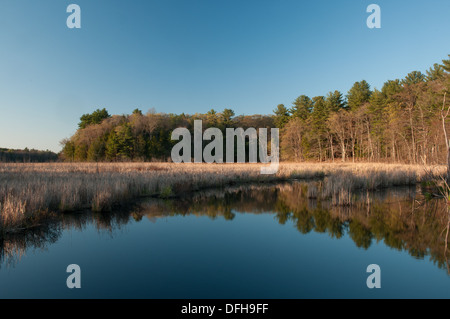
30,193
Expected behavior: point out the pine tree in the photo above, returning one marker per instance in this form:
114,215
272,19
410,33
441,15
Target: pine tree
446,64
435,72
96,151
281,116
227,118
318,122
414,77
358,94
95,117
302,107
335,101
111,147
391,88
125,141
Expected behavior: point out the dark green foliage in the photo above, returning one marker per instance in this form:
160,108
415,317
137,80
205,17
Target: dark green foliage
435,73
335,101
111,147
95,117
81,152
358,94
413,78
391,88
139,137
96,151
227,116
377,114
26,156
68,151
281,116
446,64
320,113
124,139
302,107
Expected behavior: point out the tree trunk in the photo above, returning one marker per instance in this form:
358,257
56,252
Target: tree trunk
412,136
393,151
320,150
353,150
331,148
447,142
448,165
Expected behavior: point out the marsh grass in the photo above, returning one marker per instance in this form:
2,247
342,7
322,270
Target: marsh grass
28,191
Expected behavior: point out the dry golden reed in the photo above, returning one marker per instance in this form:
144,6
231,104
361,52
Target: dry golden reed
30,189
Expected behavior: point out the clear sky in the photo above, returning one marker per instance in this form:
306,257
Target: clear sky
193,55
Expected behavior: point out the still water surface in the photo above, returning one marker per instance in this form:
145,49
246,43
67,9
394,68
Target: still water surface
269,241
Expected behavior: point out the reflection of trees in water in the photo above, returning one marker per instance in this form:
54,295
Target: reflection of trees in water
395,216
215,203
399,217
107,221
13,246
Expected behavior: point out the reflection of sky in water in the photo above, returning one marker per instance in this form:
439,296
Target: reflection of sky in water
178,251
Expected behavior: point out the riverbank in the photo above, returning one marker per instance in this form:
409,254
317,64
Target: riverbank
29,192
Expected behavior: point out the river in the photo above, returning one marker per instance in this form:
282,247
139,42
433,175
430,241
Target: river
254,241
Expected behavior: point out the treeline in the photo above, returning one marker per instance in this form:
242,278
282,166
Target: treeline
405,121
144,137
26,156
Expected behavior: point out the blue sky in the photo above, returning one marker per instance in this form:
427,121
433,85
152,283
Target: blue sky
193,55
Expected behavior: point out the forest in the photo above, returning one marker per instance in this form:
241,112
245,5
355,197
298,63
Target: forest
26,156
403,122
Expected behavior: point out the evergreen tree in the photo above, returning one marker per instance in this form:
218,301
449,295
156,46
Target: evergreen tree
318,121
435,73
335,101
227,118
81,152
281,116
302,107
446,64
358,94
68,150
125,141
391,88
111,147
414,77
95,117
96,151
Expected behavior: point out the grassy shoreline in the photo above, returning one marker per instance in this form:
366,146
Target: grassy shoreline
31,192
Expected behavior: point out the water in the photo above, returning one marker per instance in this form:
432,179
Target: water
267,241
